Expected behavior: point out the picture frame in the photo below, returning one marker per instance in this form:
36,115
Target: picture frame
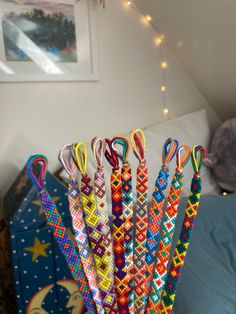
48,40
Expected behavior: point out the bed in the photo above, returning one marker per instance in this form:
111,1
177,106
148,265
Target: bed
208,281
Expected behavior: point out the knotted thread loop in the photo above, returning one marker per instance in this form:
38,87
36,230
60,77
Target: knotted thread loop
34,159
169,150
123,142
138,142
111,155
197,156
182,157
80,156
98,149
66,159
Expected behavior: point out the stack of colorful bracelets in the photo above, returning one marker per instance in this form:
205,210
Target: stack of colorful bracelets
123,267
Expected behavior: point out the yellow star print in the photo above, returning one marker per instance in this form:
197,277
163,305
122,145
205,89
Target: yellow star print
38,249
38,203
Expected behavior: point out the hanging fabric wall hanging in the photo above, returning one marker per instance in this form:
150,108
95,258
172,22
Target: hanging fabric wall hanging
169,292
79,227
59,231
155,214
137,140
167,231
94,228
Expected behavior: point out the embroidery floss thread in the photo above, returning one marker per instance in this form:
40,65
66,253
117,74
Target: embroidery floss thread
174,273
118,229
155,215
137,140
168,229
94,228
79,227
59,231
127,208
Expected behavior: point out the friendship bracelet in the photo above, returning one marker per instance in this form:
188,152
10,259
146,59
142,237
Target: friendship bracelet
168,229
94,228
155,215
169,292
127,208
137,140
118,230
79,227
98,148
59,231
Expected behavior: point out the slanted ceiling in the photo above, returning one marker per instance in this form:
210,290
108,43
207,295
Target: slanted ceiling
202,35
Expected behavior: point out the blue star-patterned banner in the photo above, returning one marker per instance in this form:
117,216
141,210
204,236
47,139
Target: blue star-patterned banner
42,278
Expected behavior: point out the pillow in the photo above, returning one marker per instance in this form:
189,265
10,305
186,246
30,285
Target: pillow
191,129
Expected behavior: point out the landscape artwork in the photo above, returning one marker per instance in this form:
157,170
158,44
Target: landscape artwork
32,27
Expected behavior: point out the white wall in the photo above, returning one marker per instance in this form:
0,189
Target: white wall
199,34
41,117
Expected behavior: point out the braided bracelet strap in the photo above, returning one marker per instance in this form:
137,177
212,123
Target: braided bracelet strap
118,230
169,292
155,215
79,227
94,228
59,231
137,140
98,148
127,208
169,219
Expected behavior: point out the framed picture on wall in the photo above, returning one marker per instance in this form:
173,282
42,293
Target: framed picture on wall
48,40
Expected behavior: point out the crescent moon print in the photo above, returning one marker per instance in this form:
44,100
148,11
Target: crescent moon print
75,303
35,305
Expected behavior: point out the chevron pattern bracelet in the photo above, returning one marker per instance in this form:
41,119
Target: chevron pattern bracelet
168,229
60,232
79,227
177,263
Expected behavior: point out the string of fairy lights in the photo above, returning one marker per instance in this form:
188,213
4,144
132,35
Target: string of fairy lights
159,42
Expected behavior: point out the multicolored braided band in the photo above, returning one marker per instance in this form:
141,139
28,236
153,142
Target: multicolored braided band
127,208
169,292
94,228
137,140
98,148
79,227
168,229
155,215
60,232
118,230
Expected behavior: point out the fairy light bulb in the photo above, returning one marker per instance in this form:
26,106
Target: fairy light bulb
148,18
164,64
163,88
159,40
165,111
127,4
